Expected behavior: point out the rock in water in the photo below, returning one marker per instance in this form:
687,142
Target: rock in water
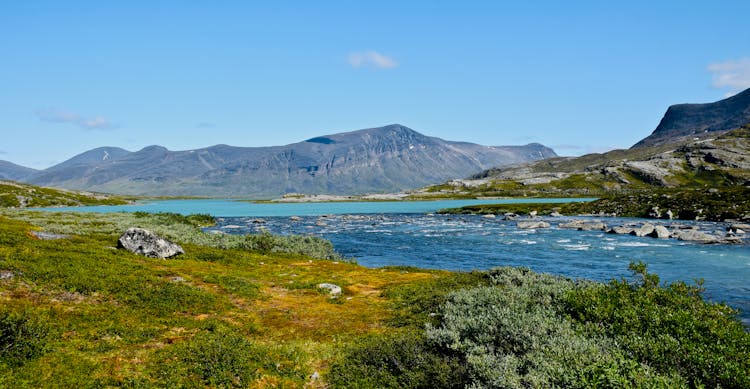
530,225
145,242
659,232
643,230
584,225
620,230
697,236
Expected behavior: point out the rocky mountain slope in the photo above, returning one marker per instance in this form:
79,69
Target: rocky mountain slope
698,120
13,172
720,161
389,158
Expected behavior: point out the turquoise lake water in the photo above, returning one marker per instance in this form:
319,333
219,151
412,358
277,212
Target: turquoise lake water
407,233
231,208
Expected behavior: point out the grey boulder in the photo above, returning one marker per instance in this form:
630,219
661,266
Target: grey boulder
333,289
584,225
643,230
659,232
697,236
620,230
532,224
144,242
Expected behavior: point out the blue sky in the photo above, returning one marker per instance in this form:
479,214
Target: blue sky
576,76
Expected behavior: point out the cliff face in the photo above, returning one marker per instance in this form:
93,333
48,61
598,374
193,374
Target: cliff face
695,120
379,159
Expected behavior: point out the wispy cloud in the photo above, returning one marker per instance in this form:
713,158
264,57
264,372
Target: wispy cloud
63,116
371,58
3,152
733,75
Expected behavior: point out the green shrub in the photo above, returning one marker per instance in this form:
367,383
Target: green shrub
516,334
668,327
403,360
21,338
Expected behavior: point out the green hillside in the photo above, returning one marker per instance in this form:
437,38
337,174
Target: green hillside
17,195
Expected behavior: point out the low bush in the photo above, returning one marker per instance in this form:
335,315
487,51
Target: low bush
403,360
667,327
520,329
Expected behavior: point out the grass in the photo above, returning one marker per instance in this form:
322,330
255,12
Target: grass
79,313
17,195
112,318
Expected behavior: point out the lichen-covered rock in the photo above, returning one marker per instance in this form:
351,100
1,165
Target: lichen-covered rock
144,242
333,289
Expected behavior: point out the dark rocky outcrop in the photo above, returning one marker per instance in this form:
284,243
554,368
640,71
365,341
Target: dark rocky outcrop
144,242
685,120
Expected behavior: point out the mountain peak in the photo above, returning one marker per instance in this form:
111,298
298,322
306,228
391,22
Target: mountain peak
372,160
692,120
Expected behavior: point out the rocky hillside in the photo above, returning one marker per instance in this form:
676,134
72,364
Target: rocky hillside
383,159
13,172
698,120
17,195
723,160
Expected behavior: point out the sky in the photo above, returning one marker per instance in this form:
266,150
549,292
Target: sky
578,76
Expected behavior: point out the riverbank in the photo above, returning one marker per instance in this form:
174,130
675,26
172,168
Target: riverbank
713,204
84,313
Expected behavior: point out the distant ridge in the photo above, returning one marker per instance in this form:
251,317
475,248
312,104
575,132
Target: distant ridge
381,159
13,172
693,120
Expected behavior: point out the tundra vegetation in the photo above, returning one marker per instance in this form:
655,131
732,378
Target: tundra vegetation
713,204
238,311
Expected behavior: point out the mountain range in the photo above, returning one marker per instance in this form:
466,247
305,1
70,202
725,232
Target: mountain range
383,159
694,145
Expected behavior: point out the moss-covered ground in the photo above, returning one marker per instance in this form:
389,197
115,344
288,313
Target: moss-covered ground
112,318
239,311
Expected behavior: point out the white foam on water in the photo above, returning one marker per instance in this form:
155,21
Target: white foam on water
640,244
563,241
576,247
526,241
